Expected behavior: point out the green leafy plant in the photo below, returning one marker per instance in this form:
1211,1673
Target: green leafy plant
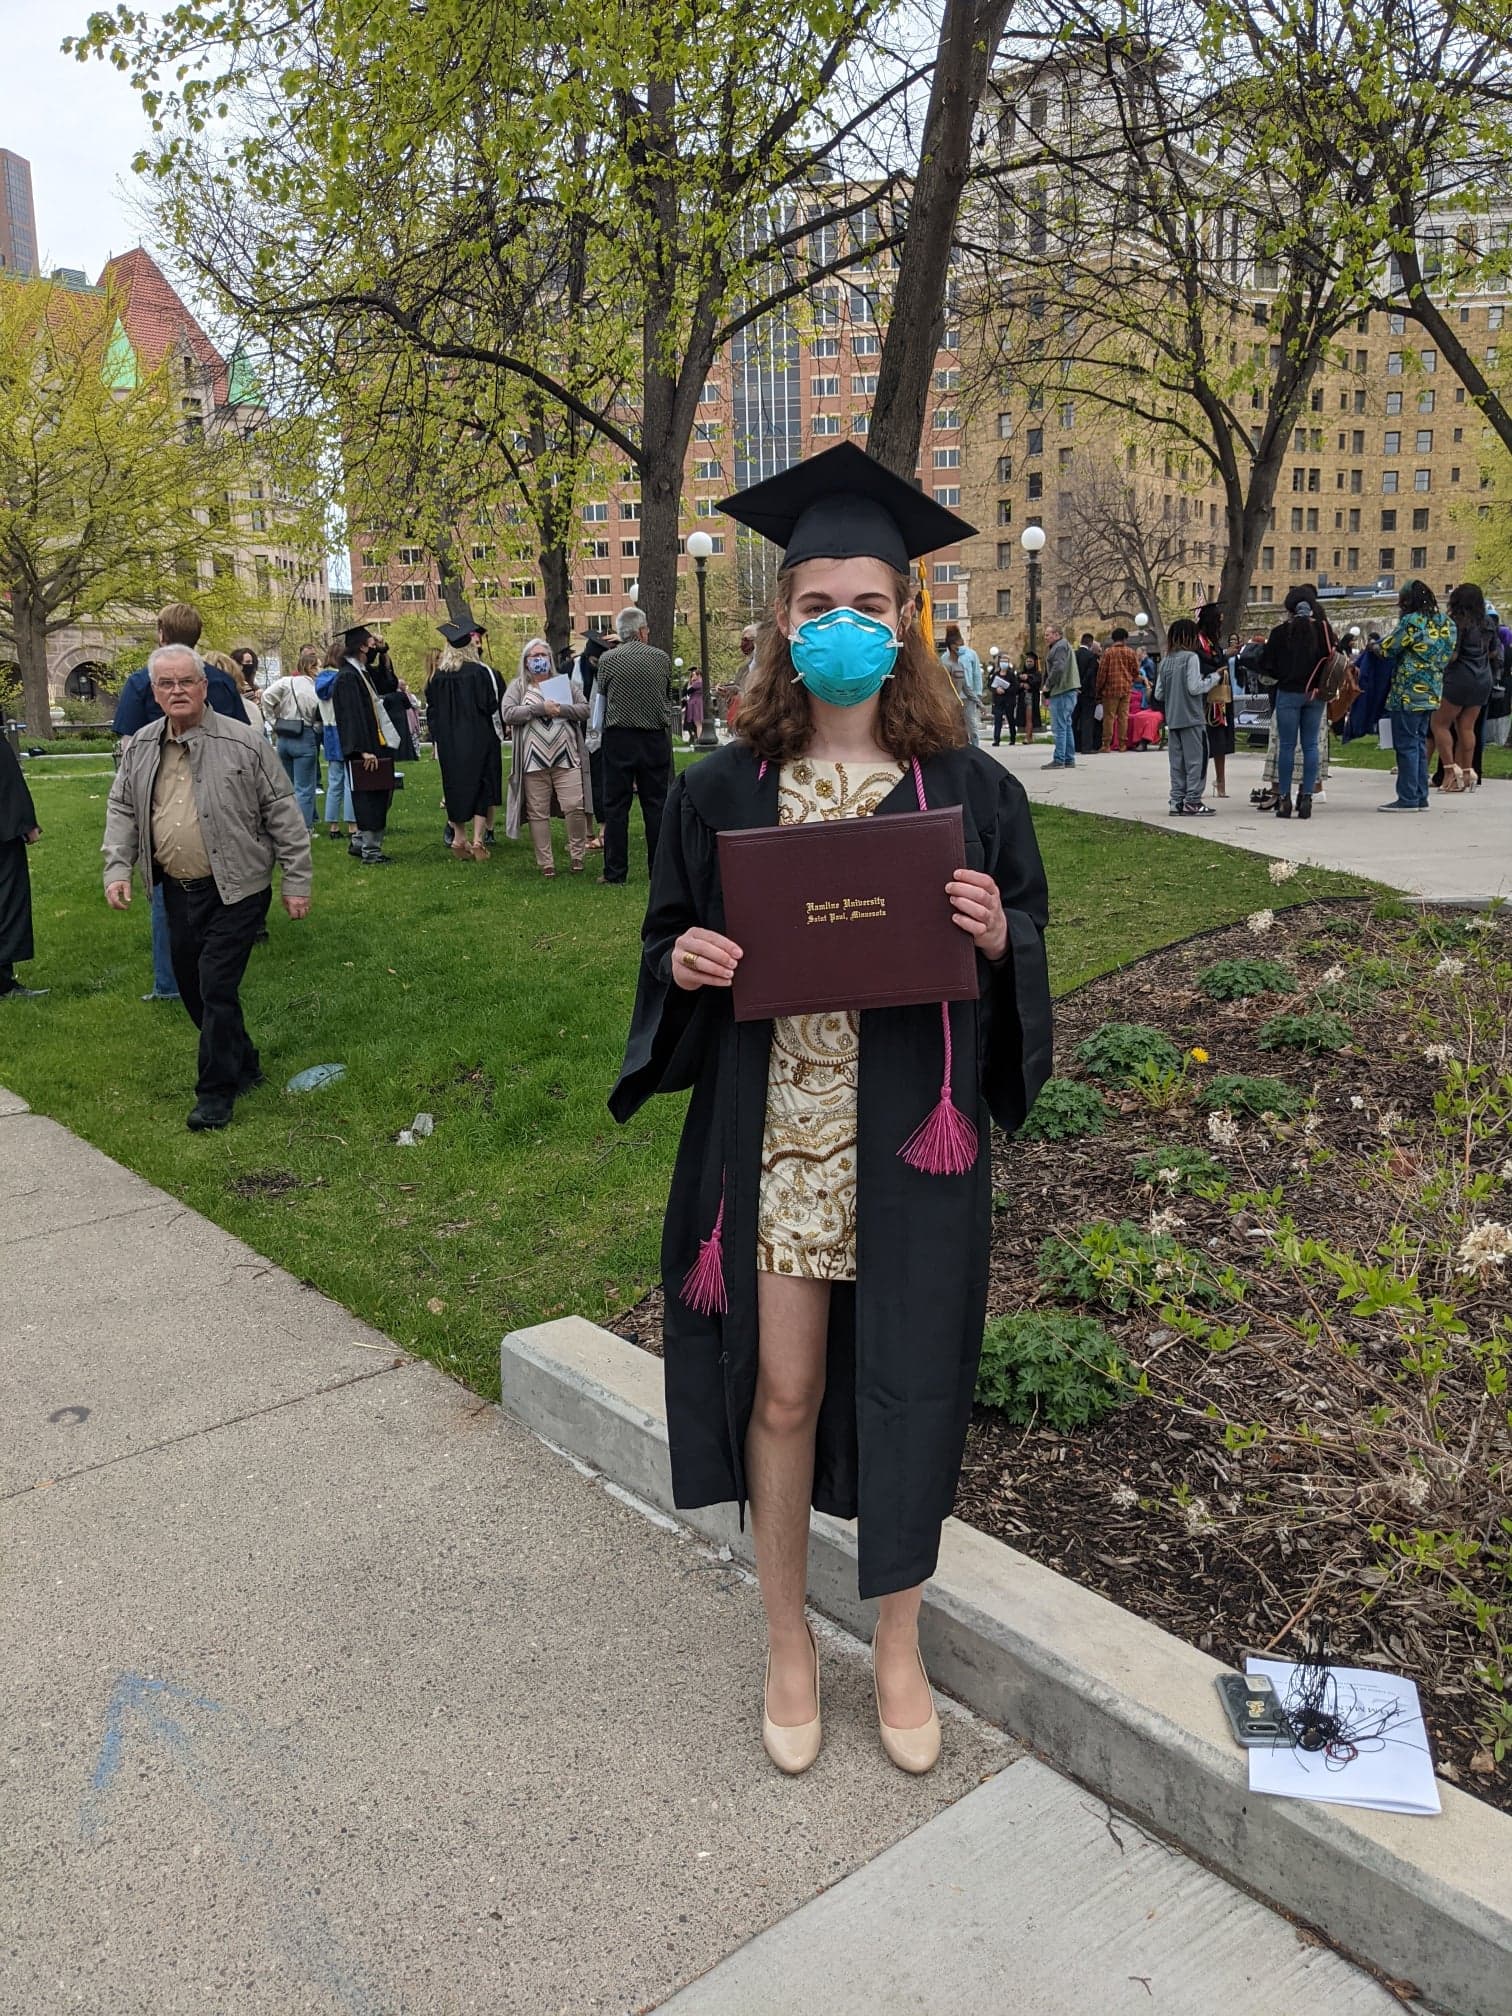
1158,1085
1389,910
1118,1049
1238,979
1241,1094
1064,1371
1065,1111
1123,1265
1176,1167
1317,1031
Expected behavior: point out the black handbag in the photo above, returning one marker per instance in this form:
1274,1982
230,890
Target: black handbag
290,728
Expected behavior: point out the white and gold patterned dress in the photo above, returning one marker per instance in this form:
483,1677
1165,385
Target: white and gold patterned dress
806,1222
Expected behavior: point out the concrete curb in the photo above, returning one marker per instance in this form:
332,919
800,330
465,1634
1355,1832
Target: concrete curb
1113,1701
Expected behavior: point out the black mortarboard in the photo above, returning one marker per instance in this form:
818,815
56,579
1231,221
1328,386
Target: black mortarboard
458,633
354,636
842,505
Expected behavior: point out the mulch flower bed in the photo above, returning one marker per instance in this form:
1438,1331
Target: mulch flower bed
1308,1428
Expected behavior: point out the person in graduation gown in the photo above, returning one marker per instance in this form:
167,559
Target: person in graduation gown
18,831
369,741
470,639
461,707
825,1249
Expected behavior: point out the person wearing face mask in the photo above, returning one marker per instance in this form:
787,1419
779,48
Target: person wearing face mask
460,704
548,762
368,741
804,1366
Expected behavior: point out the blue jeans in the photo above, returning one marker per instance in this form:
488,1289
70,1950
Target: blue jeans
300,757
1062,716
1409,738
1297,715
338,792
163,981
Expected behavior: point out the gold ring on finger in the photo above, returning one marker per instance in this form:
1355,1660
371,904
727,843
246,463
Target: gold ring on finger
690,958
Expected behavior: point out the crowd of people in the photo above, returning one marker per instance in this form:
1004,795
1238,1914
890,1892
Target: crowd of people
1436,682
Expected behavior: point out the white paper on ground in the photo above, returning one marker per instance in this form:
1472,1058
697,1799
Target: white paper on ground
1392,1773
558,688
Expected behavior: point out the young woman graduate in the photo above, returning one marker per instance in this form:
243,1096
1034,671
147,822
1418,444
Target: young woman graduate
826,1241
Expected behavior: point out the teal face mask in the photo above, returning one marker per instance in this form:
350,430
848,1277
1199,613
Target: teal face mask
843,657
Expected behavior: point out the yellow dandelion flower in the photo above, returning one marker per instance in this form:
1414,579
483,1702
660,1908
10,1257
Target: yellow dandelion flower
1198,1056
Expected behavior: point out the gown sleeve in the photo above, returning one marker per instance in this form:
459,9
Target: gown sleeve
671,1028
1015,1016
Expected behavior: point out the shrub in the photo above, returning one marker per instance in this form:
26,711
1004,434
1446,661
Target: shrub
1250,1095
1064,1371
1117,1050
1193,1168
1238,979
1313,1032
1389,909
1065,1111
1123,1264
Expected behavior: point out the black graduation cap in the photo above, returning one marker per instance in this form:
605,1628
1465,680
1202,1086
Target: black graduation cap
459,633
843,505
353,637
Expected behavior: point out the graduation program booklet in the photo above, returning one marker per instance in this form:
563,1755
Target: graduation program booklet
846,913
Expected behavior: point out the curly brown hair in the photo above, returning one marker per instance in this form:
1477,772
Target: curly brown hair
919,716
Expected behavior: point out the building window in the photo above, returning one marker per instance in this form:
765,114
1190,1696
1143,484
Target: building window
860,423
522,591
1388,521
1005,426
597,549
1005,469
1005,601
1419,557
1065,458
950,496
1389,482
863,345
1425,402
1422,479
1428,359
629,550
1392,445
1036,486
826,423
598,584
1494,318
947,381
1356,481
1387,558
1396,324
824,388
595,514
946,417
707,430
1268,558
1068,413
1424,442
826,346
705,507
414,591
630,509
1296,518
1357,441
1354,521
1354,559
411,556
1005,555
707,472
709,394
628,584
863,384
1359,402
1005,511
1394,364
375,591
1036,440
947,458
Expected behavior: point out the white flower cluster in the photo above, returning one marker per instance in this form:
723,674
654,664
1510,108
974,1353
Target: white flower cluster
1333,976
1164,1222
1388,1122
1223,1129
1485,1246
1261,921
1282,871
1196,1515
1171,1177
1439,1053
1505,1171
1124,1496
1357,1102
1448,969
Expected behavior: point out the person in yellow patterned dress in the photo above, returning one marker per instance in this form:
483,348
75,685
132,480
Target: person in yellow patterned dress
826,1240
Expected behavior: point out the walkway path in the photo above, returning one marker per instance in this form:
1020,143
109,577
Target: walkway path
330,1690
1460,848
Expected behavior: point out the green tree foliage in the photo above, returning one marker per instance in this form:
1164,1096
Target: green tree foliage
109,506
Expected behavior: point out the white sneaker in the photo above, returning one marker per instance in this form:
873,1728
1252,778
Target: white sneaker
1320,797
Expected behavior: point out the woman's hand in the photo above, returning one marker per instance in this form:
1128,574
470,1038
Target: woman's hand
703,959
978,909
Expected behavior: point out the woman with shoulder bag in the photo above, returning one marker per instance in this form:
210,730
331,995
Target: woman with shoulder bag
291,707
1295,653
1220,701
1469,680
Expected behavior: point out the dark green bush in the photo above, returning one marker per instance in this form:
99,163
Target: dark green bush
1065,1111
1195,1169
1117,1050
1238,979
1250,1095
1064,1371
1313,1032
1119,1265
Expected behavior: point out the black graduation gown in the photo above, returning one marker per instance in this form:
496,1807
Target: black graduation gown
18,817
904,1343
459,709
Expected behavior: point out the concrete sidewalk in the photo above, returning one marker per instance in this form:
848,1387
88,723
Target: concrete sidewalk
1459,849
333,1690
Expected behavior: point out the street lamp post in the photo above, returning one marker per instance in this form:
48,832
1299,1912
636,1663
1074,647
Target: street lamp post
700,546
1032,539
1142,623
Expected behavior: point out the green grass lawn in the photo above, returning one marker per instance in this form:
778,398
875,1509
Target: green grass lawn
489,998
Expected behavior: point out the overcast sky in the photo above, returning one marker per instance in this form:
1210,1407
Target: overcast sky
78,125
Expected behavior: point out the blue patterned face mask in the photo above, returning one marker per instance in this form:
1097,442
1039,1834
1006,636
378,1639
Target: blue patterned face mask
843,656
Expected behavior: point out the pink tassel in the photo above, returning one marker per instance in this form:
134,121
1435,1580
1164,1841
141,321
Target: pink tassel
704,1289
946,1143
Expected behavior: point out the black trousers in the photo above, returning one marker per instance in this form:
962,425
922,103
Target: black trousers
370,809
1088,727
637,763
1003,709
210,943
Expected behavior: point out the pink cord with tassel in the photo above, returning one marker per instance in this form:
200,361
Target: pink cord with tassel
704,1288
946,1143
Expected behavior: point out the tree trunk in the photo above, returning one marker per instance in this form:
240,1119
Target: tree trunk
556,577
29,627
969,34
453,590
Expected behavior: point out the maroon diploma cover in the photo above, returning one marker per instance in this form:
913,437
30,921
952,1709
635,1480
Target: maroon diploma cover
846,913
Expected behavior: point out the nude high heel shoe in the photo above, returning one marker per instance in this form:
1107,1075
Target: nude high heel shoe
792,1748
915,1750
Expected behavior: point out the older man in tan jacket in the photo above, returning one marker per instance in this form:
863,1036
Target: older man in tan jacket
201,807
